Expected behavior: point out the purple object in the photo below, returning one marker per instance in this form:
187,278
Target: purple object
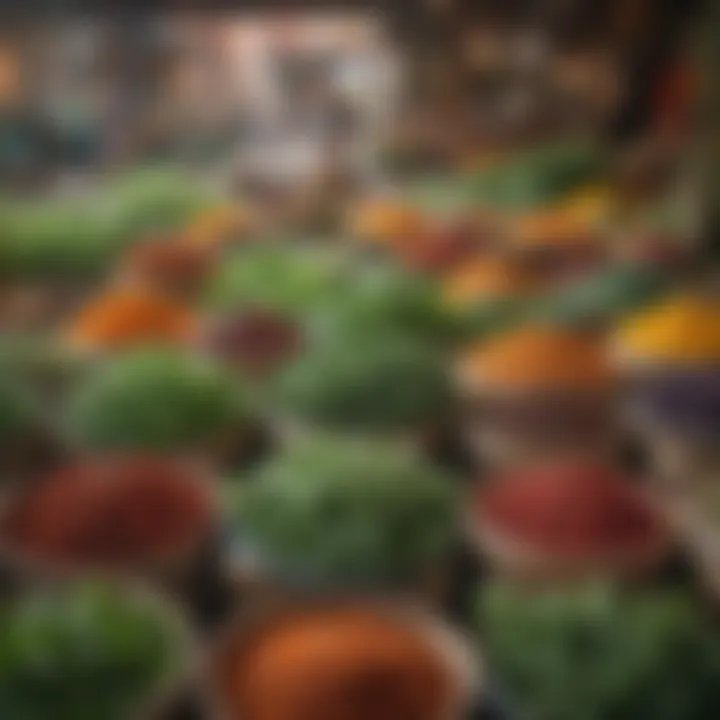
686,401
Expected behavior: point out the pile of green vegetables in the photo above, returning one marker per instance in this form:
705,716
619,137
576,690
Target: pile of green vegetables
153,399
341,512
602,297
290,280
77,238
538,177
388,298
367,382
597,653
82,654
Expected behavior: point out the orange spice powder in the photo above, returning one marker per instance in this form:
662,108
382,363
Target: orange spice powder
487,279
680,330
130,315
538,359
341,664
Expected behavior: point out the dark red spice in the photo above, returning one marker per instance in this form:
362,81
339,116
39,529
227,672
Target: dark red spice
441,250
118,512
171,262
256,341
335,664
571,510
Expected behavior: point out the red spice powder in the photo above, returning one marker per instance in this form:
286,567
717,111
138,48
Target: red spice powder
342,664
112,513
171,262
440,250
257,341
571,511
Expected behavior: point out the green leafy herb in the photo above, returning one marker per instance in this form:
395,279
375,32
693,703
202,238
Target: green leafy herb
154,399
367,382
348,511
594,653
84,654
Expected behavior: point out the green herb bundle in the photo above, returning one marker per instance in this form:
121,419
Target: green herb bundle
539,176
83,654
291,280
344,511
594,653
153,399
388,298
367,382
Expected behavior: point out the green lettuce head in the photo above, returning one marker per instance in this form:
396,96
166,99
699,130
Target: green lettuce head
154,399
367,382
289,280
83,653
601,653
347,511
390,299
154,199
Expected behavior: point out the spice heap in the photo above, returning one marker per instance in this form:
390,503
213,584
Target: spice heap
338,664
119,514
255,341
131,316
536,391
682,331
571,518
170,264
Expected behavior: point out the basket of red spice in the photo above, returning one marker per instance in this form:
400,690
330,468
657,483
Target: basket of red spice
132,516
255,341
569,521
340,659
170,264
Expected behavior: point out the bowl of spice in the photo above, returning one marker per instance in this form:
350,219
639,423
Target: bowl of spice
342,660
669,355
386,221
129,516
535,392
255,341
489,291
170,265
569,521
560,242
129,315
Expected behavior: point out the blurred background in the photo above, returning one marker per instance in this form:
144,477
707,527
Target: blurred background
361,360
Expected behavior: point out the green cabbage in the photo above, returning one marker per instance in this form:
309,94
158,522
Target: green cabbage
291,280
153,399
81,654
597,653
334,510
367,382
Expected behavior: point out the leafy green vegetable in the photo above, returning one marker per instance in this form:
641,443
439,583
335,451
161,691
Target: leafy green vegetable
49,239
387,298
539,176
156,399
348,511
594,653
83,654
153,199
290,280
367,382
604,296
